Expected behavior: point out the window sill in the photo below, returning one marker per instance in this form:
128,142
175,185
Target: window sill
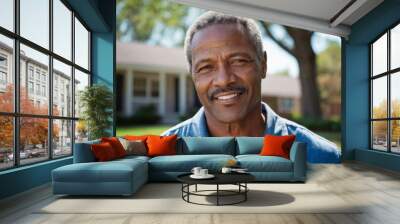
30,166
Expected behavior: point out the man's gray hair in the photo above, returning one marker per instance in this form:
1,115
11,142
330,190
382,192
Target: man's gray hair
211,18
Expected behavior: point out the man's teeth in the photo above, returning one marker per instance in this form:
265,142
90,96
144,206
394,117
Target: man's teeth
227,97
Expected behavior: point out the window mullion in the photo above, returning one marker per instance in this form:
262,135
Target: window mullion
16,84
50,81
389,106
73,82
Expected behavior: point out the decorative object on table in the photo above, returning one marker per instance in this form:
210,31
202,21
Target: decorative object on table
196,170
200,173
226,170
232,163
96,102
237,170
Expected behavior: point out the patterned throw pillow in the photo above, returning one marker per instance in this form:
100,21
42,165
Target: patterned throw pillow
134,147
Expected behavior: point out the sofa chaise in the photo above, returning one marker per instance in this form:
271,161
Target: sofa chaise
125,176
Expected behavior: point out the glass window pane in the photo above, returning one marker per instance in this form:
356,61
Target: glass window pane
81,45
379,98
33,140
379,135
81,81
154,88
395,136
62,29
379,55
62,89
62,138
34,80
6,142
139,87
395,94
35,21
395,47
7,14
6,74
81,131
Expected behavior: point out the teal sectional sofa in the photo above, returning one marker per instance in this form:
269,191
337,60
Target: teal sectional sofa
125,176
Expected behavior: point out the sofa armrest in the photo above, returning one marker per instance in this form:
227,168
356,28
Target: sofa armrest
83,152
298,155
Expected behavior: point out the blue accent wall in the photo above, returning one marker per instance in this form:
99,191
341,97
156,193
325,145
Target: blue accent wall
99,16
103,53
24,178
356,100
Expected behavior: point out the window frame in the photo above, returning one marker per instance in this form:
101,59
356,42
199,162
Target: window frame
16,114
388,74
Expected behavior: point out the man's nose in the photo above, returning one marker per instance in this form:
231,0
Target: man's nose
224,76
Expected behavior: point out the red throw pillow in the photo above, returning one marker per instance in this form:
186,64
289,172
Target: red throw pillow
103,151
161,145
277,145
116,145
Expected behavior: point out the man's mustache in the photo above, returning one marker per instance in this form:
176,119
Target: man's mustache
232,88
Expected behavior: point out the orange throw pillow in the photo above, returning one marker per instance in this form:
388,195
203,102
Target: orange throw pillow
161,145
135,138
103,152
277,145
116,145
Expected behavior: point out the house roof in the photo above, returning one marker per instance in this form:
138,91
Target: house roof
144,55
327,16
281,86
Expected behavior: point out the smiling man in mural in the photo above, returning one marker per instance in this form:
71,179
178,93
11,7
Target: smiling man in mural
227,62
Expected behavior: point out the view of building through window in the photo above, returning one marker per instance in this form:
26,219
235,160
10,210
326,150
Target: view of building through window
385,95
41,83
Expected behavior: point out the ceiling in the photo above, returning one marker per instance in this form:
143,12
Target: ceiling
326,16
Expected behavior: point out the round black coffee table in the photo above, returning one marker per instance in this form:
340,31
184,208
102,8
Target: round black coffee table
238,179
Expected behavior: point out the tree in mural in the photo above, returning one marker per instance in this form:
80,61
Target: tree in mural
33,131
297,42
329,80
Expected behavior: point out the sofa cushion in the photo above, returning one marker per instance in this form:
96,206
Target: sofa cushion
206,145
185,163
111,171
249,145
257,163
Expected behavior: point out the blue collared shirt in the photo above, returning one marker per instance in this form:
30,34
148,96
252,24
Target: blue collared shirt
319,149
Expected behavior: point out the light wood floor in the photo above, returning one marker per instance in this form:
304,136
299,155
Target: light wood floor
377,188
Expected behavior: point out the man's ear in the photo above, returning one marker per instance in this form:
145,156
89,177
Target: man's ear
264,65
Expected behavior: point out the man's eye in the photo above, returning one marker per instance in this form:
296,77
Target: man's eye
204,69
239,62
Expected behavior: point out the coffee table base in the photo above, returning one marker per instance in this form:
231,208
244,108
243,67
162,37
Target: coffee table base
241,191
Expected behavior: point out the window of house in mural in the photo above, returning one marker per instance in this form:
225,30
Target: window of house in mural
43,115
139,86
385,93
154,88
